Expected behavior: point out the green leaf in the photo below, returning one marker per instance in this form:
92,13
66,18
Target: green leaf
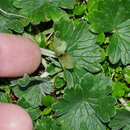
126,72
59,82
52,69
127,127
34,112
106,15
7,24
113,16
5,88
92,5
39,38
79,9
8,20
87,107
119,47
80,44
46,111
101,38
44,9
48,100
118,89
6,5
5,98
22,82
46,123
34,91
121,120
74,77
65,3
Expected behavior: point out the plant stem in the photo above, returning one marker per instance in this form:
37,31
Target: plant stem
47,52
124,103
11,14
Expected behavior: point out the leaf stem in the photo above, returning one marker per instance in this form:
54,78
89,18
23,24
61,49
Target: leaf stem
11,14
124,103
47,52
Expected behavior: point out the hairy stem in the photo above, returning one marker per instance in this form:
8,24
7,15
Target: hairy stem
10,14
124,103
47,52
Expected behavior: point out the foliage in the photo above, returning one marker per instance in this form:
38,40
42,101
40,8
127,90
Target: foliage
80,44
31,89
84,107
83,80
47,123
9,22
121,120
113,16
